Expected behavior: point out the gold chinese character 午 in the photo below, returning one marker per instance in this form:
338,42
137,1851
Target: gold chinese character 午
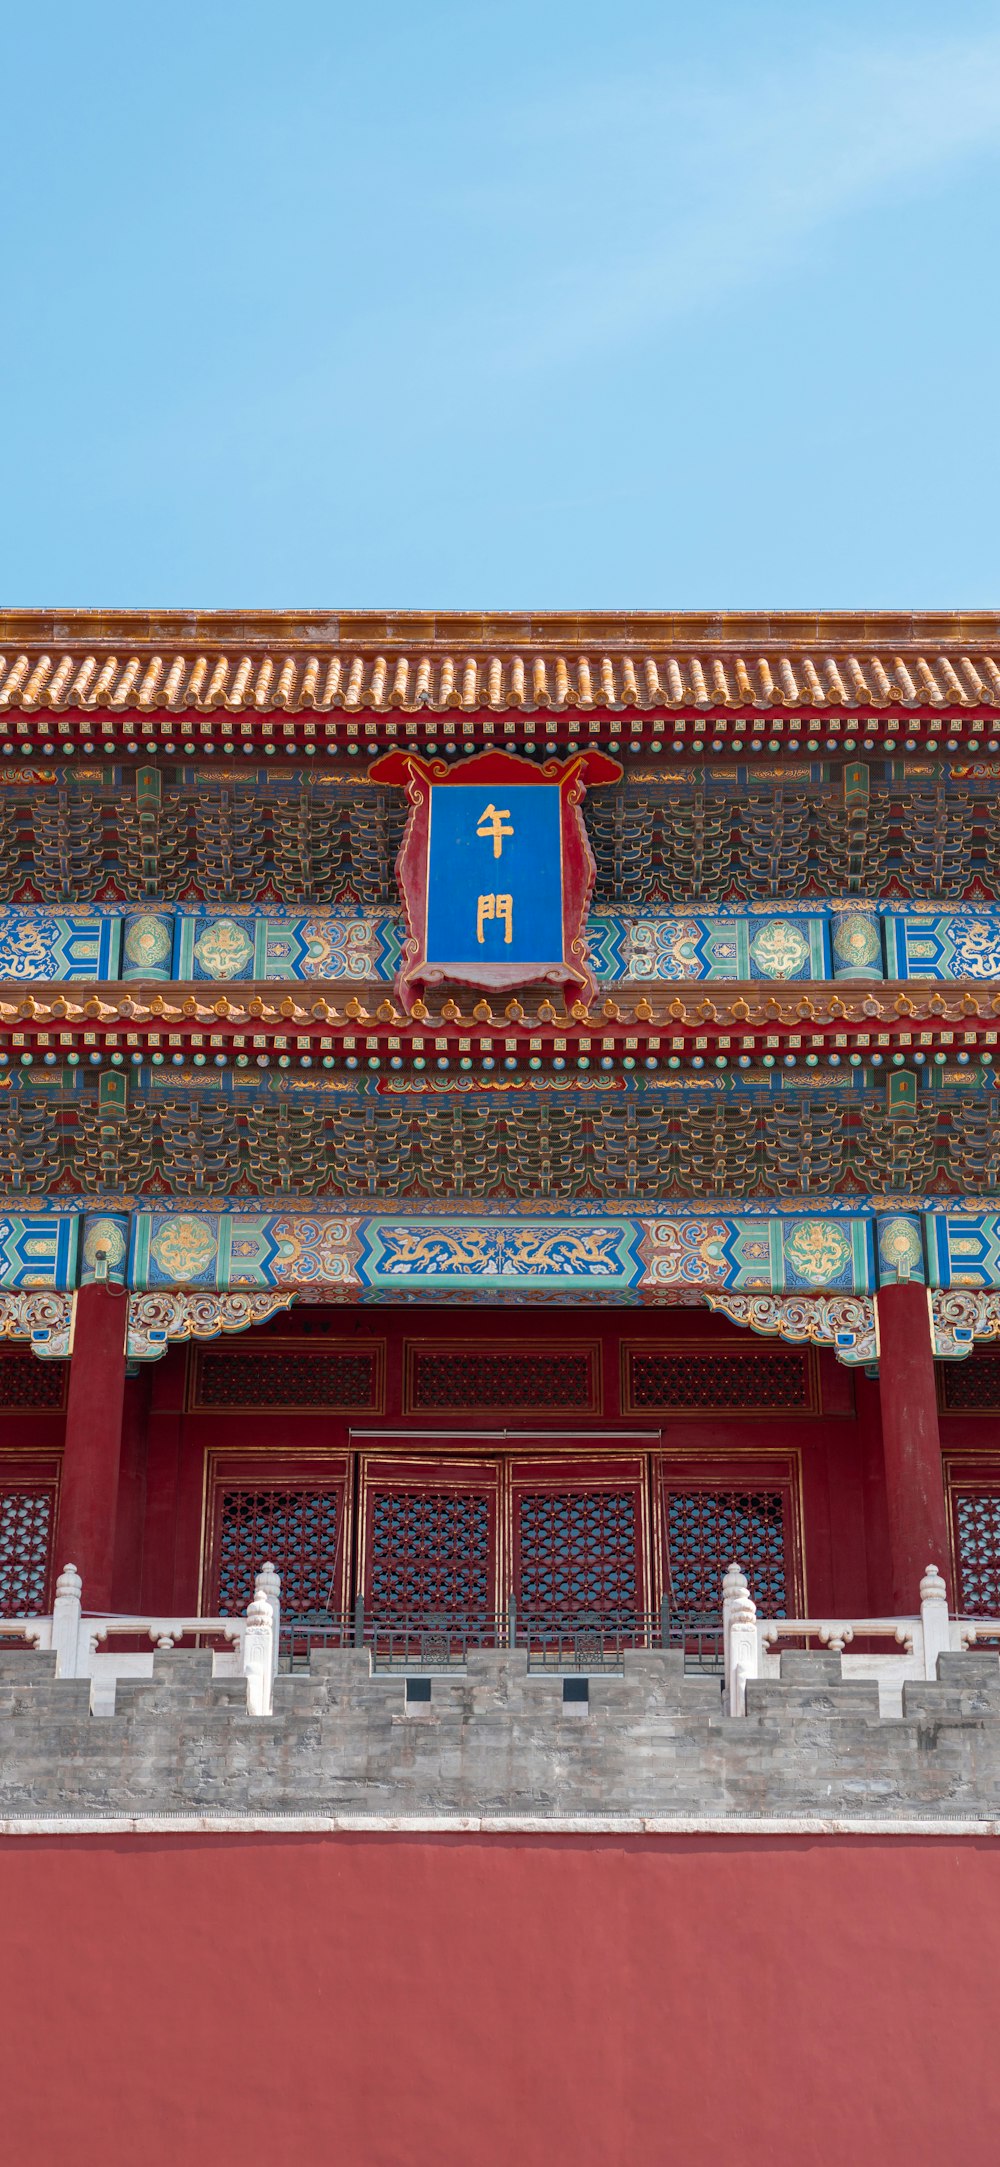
499,907
491,825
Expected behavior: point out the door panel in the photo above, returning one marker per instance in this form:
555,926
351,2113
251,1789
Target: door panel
429,1538
452,1535
747,1512
578,1538
974,1504
27,1523
296,1516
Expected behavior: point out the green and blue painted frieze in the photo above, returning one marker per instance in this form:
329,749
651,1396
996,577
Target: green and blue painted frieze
42,944
942,944
634,1256
851,942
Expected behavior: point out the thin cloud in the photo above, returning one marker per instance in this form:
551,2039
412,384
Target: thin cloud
706,193
595,218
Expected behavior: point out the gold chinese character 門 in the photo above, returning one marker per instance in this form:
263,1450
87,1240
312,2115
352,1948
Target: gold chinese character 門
491,824
495,906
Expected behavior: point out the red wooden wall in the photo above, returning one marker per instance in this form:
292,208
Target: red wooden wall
171,1446
828,1448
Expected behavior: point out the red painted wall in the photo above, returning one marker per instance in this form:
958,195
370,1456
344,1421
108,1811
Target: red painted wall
388,2001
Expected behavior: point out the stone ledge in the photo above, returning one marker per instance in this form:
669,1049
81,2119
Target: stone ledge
588,1825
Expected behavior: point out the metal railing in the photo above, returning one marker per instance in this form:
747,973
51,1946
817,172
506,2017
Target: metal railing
560,1642
700,1638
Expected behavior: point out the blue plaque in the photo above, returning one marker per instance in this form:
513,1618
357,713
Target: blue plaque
495,872
494,876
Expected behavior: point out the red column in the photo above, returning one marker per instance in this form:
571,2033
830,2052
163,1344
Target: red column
88,1492
126,1591
911,1443
877,1552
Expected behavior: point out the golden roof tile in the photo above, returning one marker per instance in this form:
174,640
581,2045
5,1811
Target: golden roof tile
240,682
177,661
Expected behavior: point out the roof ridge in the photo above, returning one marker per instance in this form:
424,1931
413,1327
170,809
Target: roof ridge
505,630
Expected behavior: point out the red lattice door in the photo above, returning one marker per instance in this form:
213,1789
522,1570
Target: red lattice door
578,1538
746,1512
975,1527
27,1525
429,1543
295,1517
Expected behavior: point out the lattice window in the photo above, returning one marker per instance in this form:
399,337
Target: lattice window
296,1529
972,1384
976,1519
27,1382
26,1519
333,1378
431,1553
706,1530
577,1552
444,1379
757,1381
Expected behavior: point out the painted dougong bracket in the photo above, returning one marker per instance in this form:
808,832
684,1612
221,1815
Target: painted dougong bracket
46,1319
845,1322
959,1318
157,1318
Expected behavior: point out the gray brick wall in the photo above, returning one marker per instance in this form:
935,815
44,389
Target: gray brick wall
493,1739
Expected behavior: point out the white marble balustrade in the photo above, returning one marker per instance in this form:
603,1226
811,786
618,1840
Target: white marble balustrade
84,1641
753,1644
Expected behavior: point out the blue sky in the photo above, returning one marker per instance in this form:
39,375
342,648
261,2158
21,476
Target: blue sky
547,304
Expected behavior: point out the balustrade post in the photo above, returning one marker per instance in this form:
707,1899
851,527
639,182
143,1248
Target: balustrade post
66,1615
911,1442
268,1584
734,1581
739,1613
934,1619
511,1622
258,1656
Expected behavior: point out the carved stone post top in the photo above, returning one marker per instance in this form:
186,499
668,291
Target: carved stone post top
932,1587
268,1580
69,1586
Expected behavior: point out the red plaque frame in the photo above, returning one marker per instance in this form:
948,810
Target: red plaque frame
417,775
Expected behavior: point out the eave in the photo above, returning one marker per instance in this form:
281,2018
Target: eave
139,682
342,1025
